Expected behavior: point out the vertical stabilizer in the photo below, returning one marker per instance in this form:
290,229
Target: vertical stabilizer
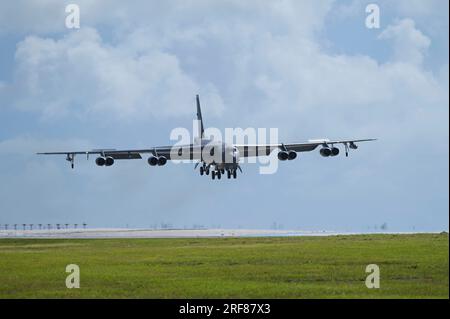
200,120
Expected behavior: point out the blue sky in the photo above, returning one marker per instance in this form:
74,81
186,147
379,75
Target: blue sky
312,69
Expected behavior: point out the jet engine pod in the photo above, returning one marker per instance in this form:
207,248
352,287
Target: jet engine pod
100,161
152,160
162,160
109,161
334,151
325,151
283,155
292,155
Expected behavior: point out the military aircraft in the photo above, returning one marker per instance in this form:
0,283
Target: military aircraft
214,157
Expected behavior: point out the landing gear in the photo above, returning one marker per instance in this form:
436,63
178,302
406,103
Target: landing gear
217,173
71,158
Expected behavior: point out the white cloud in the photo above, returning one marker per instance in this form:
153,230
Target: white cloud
410,44
259,58
81,75
146,71
271,59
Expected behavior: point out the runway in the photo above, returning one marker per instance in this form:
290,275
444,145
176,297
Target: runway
162,233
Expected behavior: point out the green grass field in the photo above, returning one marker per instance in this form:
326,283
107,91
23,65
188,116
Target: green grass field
411,266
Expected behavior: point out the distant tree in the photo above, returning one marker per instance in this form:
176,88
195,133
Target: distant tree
24,225
57,226
31,226
6,226
67,226
15,226
75,226
384,226
40,226
84,225
49,226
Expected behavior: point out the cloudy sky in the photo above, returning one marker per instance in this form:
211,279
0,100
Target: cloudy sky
312,69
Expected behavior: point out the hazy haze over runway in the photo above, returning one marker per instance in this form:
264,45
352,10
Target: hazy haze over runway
163,233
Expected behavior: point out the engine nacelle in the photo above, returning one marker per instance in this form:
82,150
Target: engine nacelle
109,161
292,155
325,151
152,160
162,160
283,155
334,151
100,161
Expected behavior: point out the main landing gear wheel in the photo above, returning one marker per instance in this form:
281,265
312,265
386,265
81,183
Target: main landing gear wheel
234,174
228,174
213,175
202,170
219,175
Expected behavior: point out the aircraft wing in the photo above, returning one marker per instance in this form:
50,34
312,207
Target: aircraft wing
114,153
187,151
266,149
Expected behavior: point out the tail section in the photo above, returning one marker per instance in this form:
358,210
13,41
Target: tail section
201,130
